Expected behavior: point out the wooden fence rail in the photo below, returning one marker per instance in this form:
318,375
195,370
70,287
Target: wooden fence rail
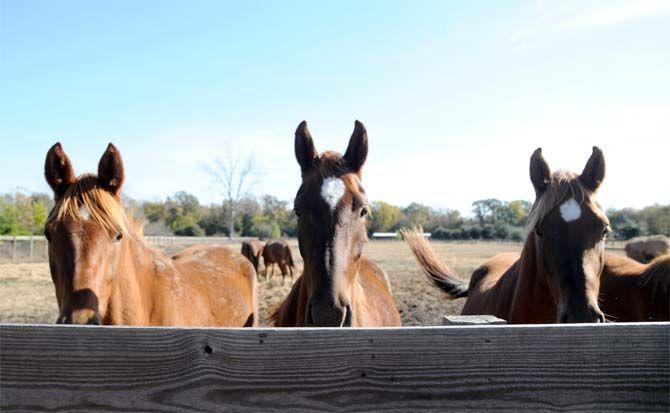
512,368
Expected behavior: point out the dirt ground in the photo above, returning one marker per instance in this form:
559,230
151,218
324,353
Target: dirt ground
27,293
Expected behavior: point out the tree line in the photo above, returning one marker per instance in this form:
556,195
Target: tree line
269,217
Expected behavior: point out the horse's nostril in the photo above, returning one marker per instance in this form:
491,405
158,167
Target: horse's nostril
309,319
348,316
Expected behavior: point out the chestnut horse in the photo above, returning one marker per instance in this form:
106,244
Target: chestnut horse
278,252
338,287
252,249
104,273
556,278
632,291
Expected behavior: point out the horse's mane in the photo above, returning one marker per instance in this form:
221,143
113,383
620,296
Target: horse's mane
103,208
561,185
331,163
286,312
657,276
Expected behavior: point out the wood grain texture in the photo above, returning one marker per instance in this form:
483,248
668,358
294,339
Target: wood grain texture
509,368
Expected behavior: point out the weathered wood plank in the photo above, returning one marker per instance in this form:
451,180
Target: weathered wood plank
511,368
468,320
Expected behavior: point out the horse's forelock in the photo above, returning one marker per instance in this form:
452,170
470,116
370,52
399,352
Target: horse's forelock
563,184
103,208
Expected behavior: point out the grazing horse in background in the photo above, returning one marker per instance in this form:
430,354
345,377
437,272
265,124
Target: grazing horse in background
252,249
338,287
104,273
556,278
631,291
278,252
645,249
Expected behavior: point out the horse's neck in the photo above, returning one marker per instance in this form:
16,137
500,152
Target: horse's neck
532,301
292,310
130,301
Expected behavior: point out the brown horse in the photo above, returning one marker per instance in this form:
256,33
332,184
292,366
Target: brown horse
105,274
338,287
645,249
557,275
252,249
632,291
278,252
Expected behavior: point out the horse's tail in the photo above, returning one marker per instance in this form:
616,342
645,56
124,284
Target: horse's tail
437,271
657,277
289,257
246,250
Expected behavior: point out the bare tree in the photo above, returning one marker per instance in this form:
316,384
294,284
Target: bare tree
233,175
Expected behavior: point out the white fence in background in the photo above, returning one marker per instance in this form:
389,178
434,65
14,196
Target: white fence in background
35,247
393,235
23,248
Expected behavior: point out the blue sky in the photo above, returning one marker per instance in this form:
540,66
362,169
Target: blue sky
455,95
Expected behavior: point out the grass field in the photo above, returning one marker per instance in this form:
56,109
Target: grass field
27,293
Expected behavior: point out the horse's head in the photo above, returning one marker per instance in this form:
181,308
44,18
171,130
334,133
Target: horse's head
84,231
332,207
569,229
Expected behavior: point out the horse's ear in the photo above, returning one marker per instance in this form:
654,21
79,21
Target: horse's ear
58,170
594,171
357,151
110,170
305,151
540,174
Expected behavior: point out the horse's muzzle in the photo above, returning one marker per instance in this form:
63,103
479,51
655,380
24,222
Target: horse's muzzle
590,315
83,316
326,313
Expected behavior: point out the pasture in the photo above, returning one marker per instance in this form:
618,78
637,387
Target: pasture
27,293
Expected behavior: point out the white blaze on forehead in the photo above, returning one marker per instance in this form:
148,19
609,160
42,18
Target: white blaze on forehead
83,213
570,210
332,191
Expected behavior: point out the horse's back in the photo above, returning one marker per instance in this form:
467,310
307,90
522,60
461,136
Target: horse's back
631,291
224,281
277,252
492,286
379,307
251,248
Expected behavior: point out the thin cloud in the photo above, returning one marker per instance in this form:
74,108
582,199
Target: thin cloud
572,16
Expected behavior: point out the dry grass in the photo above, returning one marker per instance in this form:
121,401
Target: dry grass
27,294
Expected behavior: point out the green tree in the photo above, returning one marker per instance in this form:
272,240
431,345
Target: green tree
39,218
519,211
416,215
384,217
155,211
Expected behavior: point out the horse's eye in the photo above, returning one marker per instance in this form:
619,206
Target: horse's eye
47,236
297,212
364,211
118,237
606,230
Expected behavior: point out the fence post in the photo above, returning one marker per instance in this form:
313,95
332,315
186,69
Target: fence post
14,248
31,247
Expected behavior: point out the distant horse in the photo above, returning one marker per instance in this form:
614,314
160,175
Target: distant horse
278,252
338,287
645,249
252,249
104,273
631,291
557,275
